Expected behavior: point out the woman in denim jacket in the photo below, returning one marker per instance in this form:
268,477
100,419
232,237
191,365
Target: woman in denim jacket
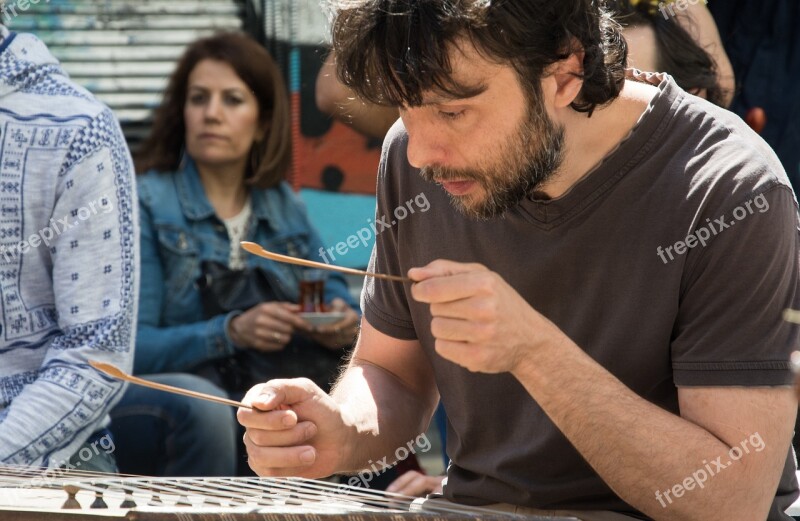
215,161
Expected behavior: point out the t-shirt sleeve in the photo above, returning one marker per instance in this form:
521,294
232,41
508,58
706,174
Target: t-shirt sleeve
730,329
385,303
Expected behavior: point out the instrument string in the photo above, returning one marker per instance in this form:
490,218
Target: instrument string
246,492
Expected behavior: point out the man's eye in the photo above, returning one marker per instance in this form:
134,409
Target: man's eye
451,115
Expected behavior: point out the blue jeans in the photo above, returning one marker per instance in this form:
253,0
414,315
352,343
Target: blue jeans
96,454
163,434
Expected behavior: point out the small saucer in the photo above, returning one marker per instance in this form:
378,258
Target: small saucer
322,319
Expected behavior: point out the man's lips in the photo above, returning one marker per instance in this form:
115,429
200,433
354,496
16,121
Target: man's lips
458,187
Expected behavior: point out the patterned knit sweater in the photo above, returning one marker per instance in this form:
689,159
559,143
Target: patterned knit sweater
68,257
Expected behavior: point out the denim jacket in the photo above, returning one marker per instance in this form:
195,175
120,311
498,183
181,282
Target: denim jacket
179,230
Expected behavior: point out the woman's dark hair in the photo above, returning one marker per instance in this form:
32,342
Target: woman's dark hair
677,53
269,158
391,51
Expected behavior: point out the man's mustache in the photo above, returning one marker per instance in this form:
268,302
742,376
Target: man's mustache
438,174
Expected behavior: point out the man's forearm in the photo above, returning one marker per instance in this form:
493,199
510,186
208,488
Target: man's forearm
363,391
637,448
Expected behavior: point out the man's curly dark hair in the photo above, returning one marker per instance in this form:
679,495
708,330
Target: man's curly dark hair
391,51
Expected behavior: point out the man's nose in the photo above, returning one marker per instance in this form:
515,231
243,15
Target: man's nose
425,145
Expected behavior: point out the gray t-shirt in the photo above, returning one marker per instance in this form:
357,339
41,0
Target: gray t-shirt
609,263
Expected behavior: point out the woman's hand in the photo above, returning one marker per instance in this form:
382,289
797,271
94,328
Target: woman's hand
267,327
414,483
339,334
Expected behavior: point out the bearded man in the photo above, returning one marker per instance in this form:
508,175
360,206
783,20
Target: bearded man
597,294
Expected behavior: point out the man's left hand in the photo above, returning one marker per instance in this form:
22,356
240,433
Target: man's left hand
479,321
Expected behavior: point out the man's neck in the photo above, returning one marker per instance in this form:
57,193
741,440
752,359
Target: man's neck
589,140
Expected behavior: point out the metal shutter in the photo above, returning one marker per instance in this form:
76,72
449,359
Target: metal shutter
124,50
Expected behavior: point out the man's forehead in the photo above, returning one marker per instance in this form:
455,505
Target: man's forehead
467,91
471,74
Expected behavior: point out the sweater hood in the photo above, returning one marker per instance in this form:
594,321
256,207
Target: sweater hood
24,62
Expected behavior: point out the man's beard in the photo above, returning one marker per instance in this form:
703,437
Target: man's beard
527,160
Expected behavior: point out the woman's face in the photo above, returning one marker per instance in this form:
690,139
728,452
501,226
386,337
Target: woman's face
221,116
642,47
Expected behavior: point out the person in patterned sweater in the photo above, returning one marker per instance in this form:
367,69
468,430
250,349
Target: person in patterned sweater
68,263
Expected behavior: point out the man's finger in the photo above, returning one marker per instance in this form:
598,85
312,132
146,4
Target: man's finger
451,288
276,420
288,437
466,309
273,459
443,268
276,393
456,330
458,352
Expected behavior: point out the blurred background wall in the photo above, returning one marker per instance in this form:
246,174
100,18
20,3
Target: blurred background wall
125,50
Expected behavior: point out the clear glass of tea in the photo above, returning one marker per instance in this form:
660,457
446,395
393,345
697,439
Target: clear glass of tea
312,291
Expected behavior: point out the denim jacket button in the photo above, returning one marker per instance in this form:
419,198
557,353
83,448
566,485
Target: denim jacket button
182,243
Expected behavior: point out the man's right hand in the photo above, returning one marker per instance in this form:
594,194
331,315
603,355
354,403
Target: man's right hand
294,429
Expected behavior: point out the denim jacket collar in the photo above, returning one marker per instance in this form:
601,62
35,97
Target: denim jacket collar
196,206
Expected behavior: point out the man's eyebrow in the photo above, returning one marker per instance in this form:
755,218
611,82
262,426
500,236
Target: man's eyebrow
458,93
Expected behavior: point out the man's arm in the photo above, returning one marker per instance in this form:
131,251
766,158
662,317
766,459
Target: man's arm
385,399
639,449
632,444
342,103
388,394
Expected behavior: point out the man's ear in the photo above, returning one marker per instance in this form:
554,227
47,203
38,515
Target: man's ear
566,75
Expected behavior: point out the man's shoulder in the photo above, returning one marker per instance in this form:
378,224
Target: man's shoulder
715,156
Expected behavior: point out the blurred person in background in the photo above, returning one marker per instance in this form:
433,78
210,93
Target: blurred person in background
762,38
213,174
686,46
68,261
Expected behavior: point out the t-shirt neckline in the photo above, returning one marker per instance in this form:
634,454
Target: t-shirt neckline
551,213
